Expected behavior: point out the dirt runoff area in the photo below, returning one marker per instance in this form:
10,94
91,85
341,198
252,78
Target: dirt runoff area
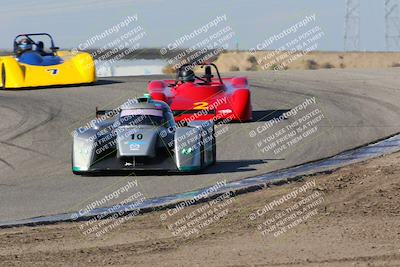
281,60
350,217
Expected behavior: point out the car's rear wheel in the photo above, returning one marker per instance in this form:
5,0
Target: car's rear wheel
3,77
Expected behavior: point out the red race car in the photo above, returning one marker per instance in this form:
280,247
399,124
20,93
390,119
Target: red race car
204,98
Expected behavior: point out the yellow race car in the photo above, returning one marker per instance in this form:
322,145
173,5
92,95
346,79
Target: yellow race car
34,64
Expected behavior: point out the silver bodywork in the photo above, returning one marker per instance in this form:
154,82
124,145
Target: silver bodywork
108,145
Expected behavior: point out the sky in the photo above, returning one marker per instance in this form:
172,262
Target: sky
75,21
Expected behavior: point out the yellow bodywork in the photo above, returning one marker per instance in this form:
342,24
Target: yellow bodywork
77,68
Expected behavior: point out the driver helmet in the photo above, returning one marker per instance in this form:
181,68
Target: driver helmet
25,45
187,76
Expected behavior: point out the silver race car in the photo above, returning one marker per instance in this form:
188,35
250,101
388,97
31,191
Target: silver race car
142,135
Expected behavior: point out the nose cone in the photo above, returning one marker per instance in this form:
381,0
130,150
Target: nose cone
137,141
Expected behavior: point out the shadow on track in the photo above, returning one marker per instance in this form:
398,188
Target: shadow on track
97,83
223,166
229,166
267,115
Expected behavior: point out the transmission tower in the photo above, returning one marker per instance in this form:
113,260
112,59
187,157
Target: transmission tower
392,25
352,25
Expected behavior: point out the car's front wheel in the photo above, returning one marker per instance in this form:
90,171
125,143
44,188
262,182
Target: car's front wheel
3,77
202,156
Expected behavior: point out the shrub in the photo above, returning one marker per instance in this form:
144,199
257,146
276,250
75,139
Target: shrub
252,68
327,66
274,67
254,63
252,60
168,69
234,68
311,64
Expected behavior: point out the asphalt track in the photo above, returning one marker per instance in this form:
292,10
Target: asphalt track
359,106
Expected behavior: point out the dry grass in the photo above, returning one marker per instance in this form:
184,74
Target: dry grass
267,60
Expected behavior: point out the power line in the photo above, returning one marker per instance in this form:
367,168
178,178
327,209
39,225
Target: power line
352,26
392,25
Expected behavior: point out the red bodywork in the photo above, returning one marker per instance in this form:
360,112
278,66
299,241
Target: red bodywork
199,100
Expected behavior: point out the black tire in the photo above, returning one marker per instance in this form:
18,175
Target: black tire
83,173
3,76
72,161
214,147
202,156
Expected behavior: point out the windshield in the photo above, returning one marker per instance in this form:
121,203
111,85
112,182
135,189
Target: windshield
142,117
41,43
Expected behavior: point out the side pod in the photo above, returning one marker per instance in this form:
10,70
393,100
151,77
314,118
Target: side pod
195,146
187,145
83,150
11,72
